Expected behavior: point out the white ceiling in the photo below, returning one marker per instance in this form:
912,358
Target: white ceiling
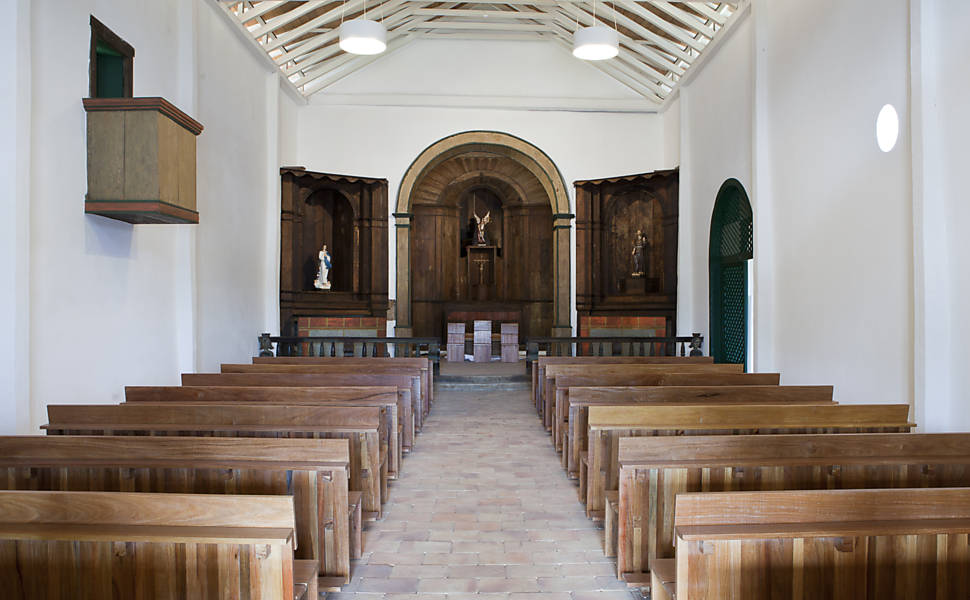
659,41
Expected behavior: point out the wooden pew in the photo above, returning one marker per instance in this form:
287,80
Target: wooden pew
313,472
578,402
654,470
66,545
554,371
833,544
634,380
417,381
599,473
399,426
539,368
405,384
360,425
422,363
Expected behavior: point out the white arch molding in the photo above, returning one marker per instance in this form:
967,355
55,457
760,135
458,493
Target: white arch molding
524,154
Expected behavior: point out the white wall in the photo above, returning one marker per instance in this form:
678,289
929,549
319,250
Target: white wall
420,106
14,219
716,144
109,304
943,213
842,212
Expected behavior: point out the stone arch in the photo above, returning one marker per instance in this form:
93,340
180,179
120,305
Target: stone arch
497,155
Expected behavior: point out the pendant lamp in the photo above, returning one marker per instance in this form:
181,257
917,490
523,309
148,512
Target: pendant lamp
363,36
596,43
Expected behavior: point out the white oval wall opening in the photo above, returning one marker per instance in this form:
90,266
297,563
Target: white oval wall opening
887,128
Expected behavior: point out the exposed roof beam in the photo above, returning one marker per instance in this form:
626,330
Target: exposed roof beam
678,33
288,17
473,26
633,26
496,35
487,14
687,19
258,11
708,12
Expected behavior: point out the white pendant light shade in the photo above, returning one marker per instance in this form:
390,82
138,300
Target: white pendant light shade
596,43
363,36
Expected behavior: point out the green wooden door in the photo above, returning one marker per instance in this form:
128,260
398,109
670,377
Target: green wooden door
732,246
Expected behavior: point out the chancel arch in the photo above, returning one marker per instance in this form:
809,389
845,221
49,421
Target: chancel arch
524,264
731,247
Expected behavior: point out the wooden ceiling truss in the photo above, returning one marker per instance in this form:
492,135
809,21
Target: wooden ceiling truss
659,41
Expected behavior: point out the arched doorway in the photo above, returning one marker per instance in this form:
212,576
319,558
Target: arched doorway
483,171
731,247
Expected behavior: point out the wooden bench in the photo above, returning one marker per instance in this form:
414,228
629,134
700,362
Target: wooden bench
577,405
634,381
65,545
539,368
599,472
833,544
313,472
554,371
360,425
423,363
405,384
654,470
398,426
418,384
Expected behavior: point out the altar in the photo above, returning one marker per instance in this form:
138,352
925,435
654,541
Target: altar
469,312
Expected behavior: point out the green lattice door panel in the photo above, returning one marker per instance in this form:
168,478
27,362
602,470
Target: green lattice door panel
732,245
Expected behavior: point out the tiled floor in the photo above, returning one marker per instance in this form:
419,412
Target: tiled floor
483,510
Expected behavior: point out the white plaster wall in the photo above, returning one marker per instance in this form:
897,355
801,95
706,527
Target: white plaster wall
110,304
237,154
102,307
716,145
14,219
672,126
842,212
943,97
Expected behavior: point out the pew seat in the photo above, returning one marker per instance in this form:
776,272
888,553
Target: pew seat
663,579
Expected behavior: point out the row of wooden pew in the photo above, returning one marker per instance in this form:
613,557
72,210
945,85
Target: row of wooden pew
254,482
714,483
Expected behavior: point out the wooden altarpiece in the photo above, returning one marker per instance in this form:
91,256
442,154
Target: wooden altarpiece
612,281
349,215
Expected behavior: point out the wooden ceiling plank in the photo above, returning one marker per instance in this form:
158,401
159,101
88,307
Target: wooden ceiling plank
708,12
689,21
288,17
260,9
483,14
332,15
676,32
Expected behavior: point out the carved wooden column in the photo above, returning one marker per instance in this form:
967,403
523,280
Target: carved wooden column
402,228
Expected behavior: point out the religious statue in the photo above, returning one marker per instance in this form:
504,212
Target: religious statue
482,223
639,254
321,282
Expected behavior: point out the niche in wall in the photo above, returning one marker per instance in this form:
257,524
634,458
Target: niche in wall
626,251
349,215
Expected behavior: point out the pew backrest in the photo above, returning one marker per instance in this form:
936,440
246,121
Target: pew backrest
839,544
121,545
313,471
655,470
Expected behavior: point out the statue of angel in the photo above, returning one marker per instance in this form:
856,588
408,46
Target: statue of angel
482,223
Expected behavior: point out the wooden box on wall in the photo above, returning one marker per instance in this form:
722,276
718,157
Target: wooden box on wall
349,215
141,160
608,214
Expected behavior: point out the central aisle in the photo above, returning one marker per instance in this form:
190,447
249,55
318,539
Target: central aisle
483,510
